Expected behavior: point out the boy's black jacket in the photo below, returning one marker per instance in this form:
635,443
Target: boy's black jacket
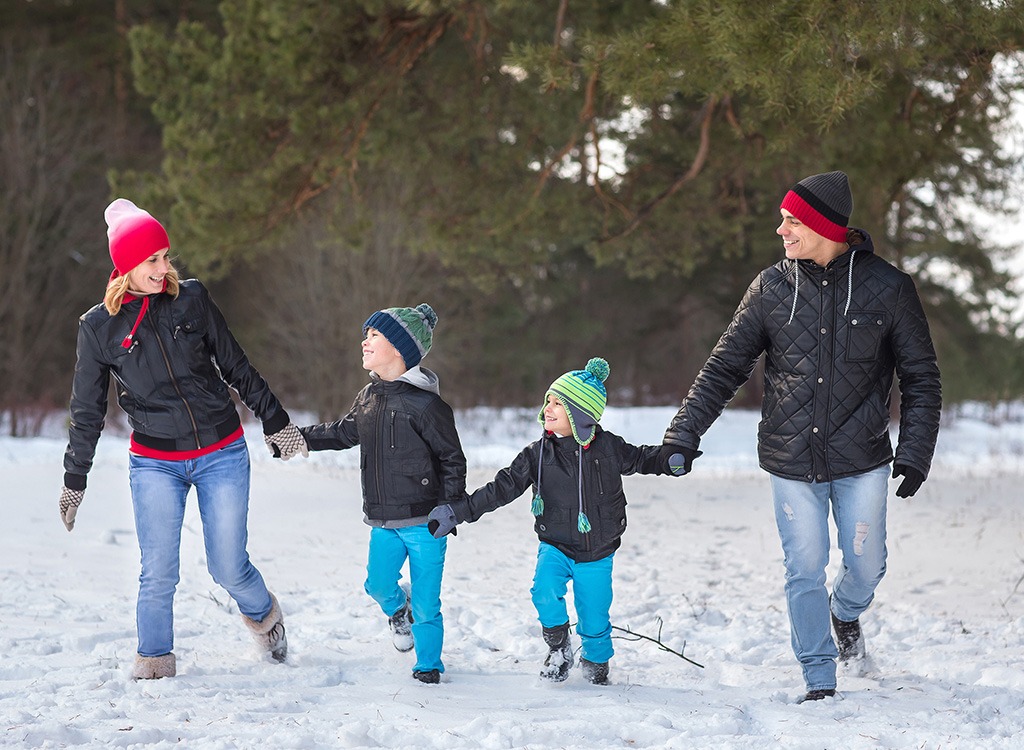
411,459
172,382
605,461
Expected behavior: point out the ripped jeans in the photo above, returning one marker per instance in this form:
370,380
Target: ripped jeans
801,512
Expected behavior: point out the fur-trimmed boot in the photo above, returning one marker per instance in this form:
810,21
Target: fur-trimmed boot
559,661
154,667
269,632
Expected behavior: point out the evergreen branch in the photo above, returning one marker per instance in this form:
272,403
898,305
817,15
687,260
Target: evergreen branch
661,645
699,159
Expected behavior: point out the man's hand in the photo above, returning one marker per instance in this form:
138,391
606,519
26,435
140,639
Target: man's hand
912,479
69,502
677,460
287,442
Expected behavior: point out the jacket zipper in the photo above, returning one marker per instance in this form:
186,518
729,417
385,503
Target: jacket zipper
380,457
392,429
174,382
600,484
583,497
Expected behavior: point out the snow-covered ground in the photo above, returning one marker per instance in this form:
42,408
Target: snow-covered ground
700,564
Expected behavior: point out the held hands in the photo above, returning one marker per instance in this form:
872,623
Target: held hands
913,479
287,442
442,521
69,502
677,460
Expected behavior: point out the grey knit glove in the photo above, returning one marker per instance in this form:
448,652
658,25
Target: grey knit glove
287,442
69,502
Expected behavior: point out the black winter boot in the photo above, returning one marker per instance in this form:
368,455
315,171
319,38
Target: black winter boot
849,638
817,695
400,625
595,672
559,660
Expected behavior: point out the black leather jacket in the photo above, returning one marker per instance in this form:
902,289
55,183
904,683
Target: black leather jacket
411,459
605,461
830,350
172,382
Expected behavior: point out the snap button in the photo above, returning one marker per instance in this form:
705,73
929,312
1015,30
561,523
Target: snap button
824,330
853,322
821,380
814,429
543,527
424,481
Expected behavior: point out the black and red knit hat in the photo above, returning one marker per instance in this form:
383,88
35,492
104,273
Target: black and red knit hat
823,202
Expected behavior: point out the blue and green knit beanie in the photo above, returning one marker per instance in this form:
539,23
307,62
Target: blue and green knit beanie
409,329
584,397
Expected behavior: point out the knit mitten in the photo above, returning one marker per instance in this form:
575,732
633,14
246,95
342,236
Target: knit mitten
69,502
287,442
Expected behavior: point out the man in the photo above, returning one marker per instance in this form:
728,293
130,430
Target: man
835,322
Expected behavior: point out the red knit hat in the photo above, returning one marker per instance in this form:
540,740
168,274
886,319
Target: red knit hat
823,202
133,235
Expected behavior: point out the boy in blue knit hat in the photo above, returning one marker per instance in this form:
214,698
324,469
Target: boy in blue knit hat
412,461
576,472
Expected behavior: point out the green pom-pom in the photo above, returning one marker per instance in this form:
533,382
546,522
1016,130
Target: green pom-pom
599,368
583,523
537,506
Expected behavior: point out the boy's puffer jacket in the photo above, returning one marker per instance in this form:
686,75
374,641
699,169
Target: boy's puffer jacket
605,461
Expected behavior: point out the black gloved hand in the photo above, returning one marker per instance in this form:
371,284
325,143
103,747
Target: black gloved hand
912,479
442,521
675,460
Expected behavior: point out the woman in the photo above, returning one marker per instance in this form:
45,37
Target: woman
168,347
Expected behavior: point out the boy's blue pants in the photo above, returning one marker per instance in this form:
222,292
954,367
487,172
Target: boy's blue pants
592,593
389,549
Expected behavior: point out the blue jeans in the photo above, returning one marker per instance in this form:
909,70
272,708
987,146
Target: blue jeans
801,512
592,593
159,489
389,549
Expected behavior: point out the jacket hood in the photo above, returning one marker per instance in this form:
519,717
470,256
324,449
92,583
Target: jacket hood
422,378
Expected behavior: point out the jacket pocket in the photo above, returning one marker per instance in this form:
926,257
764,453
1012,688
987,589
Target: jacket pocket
413,478
864,332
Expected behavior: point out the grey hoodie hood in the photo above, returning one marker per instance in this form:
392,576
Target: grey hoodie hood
422,378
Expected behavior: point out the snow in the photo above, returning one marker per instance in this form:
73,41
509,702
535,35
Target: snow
700,564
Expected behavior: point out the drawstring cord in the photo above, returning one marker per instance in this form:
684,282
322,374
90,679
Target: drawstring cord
582,522
796,291
849,284
796,287
537,506
127,343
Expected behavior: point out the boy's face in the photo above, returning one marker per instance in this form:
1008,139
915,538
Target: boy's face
555,418
380,355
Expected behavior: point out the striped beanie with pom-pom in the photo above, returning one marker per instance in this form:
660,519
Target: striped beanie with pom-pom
409,329
584,397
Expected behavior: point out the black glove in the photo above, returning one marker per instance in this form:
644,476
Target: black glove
677,460
442,521
912,479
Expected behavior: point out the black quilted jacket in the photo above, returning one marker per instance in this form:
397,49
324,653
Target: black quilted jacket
829,364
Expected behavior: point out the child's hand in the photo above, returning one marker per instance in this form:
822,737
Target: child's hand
677,460
442,521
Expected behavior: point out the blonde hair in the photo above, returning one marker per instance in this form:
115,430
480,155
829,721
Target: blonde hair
118,287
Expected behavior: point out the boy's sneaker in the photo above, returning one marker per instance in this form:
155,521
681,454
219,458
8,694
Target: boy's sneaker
849,638
595,672
431,676
559,660
401,625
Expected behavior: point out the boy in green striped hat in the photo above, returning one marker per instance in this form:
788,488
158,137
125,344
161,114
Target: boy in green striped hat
576,471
